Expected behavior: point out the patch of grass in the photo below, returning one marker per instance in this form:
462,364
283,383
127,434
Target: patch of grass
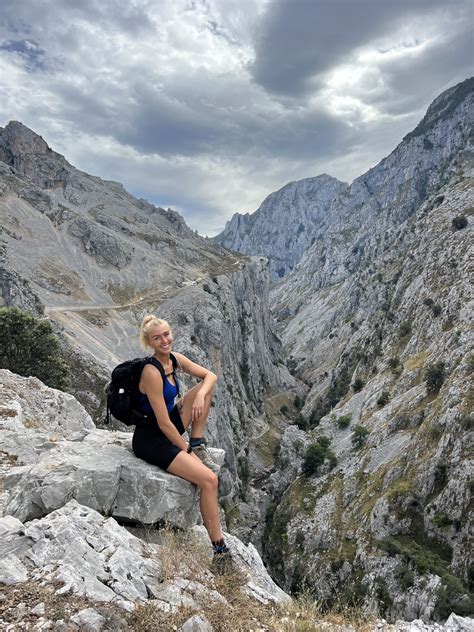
182,554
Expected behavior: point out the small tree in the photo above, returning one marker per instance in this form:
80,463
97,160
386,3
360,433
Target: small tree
434,376
316,454
359,436
28,346
358,385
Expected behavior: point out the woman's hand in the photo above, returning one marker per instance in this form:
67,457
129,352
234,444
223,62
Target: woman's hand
197,406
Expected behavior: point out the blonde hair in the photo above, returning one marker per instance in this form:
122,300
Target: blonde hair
147,323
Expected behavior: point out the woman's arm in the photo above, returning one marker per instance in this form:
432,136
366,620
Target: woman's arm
208,378
151,384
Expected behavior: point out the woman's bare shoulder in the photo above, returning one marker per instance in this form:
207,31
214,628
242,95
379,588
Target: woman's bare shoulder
150,372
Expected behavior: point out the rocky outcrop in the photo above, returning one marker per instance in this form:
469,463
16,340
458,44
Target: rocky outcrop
60,455
286,224
87,554
376,319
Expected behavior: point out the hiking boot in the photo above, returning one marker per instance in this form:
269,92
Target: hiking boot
222,561
202,453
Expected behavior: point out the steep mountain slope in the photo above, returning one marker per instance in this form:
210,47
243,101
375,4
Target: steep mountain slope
377,320
95,260
286,223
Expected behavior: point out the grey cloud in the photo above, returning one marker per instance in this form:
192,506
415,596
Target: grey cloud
32,17
299,41
160,124
33,55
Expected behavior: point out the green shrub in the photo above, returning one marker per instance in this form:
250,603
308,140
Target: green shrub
298,403
383,399
405,576
343,421
428,302
358,385
435,374
436,309
442,520
393,363
459,222
467,421
359,436
440,475
28,346
383,595
316,454
284,410
301,422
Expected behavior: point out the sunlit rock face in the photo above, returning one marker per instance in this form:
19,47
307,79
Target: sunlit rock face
286,224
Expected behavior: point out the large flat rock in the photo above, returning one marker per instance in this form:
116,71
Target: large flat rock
101,472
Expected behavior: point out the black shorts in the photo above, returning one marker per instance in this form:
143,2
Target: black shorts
150,444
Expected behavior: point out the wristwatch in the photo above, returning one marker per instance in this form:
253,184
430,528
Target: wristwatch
189,450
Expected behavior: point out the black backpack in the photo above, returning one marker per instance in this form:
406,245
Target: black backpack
123,394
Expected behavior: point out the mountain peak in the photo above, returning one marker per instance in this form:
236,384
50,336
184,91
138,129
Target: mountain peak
17,139
442,107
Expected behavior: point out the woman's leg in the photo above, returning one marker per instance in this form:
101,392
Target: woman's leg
199,424
189,467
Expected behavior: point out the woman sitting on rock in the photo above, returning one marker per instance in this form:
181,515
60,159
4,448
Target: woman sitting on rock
160,441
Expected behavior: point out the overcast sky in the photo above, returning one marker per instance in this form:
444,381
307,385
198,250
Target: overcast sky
207,106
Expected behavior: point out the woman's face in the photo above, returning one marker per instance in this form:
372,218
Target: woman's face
160,338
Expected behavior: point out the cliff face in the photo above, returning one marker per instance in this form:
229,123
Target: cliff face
376,319
286,224
95,259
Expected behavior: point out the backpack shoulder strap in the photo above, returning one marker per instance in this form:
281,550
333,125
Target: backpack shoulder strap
157,364
174,361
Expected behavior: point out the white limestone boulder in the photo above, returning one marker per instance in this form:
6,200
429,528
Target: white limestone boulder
25,402
101,472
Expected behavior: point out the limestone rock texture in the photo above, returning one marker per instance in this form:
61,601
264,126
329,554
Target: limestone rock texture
376,319
84,554
286,224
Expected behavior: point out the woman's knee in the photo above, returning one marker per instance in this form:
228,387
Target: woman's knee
210,481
